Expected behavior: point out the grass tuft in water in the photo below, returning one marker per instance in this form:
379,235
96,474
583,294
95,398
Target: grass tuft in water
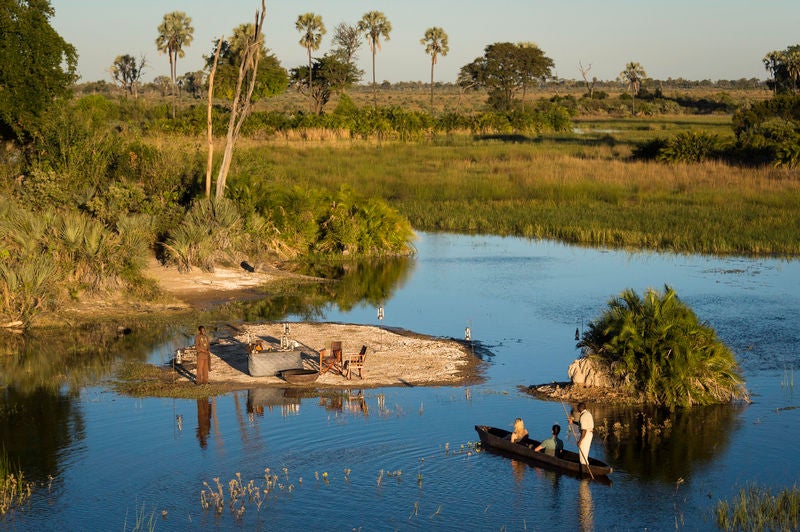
15,491
757,508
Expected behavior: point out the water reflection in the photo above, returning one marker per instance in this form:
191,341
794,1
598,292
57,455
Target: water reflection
203,421
269,398
41,375
585,506
658,444
356,282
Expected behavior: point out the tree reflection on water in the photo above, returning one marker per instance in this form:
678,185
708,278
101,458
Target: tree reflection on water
41,374
345,284
662,445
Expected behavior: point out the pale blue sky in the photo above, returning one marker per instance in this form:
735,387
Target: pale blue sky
699,39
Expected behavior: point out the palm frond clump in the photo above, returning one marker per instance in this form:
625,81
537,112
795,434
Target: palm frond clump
656,347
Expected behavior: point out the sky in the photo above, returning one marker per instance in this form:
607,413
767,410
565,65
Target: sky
696,40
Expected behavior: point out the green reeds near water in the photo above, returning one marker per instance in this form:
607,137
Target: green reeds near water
757,508
14,489
565,188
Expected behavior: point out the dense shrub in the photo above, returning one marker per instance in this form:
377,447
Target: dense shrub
689,147
770,127
656,346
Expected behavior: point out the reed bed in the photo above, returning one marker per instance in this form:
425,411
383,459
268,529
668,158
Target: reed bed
15,491
558,188
758,508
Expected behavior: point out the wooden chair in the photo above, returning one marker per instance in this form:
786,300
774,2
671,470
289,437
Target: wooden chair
332,361
355,361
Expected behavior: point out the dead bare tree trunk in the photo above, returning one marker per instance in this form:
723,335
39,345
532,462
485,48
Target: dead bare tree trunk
210,162
241,103
585,74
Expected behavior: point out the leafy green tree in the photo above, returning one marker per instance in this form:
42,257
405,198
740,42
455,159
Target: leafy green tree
174,32
37,66
533,65
347,41
192,83
271,77
504,69
311,29
375,25
435,42
332,74
656,346
633,76
127,72
162,84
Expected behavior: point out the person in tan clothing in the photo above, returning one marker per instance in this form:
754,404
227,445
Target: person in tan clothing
201,345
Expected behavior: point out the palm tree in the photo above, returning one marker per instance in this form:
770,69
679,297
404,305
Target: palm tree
174,32
435,42
772,62
792,61
633,76
312,29
374,25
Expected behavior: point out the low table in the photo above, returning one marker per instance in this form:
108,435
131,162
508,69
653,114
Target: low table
270,363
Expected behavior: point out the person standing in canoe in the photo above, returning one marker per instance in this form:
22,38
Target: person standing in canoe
202,346
585,423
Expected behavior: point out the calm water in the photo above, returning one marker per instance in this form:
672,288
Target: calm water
402,457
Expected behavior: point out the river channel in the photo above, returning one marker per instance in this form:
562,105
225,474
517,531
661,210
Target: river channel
405,458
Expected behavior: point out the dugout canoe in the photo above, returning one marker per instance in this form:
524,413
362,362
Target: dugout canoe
495,438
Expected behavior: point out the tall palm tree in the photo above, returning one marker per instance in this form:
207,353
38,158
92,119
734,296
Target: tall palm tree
311,29
632,76
435,42
374,25
792,61
772,62
174,32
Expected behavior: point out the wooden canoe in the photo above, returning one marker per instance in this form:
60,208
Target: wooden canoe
494,438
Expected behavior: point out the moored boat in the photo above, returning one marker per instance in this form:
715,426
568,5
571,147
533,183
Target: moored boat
495,438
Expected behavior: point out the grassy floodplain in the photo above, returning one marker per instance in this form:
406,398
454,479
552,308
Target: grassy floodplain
580,187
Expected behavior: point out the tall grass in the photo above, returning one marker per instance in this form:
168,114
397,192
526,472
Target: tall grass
15,491
562,188
757,508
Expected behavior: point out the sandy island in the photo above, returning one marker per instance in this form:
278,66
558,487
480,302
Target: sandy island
394,357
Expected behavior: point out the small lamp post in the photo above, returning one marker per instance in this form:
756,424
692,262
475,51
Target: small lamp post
380,318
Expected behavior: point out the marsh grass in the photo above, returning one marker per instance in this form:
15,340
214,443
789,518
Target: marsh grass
15,491
137,379
562,188
141,521
758,508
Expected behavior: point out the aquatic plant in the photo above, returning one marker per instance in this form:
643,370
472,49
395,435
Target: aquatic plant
758,508
15,491
657,347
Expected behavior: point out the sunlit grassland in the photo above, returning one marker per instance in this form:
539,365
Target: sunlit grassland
575,188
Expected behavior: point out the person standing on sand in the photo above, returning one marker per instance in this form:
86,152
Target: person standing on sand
585,423
201,345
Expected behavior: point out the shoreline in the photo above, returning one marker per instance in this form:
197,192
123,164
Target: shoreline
394,358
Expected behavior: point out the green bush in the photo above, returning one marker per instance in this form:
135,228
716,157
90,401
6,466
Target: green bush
689,147
655,346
